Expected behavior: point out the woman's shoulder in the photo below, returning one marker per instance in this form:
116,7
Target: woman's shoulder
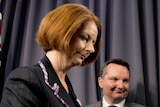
28,77
25,73
24,87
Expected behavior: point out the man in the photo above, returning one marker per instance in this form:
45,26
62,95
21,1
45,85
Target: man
114,81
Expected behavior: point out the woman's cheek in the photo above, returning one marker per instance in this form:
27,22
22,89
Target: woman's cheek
81,44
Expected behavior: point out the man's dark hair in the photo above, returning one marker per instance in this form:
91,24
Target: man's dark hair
114,61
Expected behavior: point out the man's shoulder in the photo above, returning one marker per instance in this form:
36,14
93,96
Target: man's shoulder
133,104
95,104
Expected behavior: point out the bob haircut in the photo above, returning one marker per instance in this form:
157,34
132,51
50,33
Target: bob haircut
58,27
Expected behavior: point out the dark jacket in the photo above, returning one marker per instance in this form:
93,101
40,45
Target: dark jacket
26,87
127,104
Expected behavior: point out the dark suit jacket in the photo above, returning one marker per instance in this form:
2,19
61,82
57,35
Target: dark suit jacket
26,87
127,104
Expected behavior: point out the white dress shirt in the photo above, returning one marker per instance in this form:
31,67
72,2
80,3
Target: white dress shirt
105,104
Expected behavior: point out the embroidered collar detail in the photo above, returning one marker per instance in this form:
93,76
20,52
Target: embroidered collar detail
55,86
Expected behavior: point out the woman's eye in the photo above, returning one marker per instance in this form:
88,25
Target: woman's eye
94,42
83,38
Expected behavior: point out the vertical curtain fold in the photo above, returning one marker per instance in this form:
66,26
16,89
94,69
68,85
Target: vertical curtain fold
8,9
143,46
156,11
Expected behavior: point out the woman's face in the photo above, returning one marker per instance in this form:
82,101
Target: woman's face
82,44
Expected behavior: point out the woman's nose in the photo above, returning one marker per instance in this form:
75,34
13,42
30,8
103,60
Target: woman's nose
90,47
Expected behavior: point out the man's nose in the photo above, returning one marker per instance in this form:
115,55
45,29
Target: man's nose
120,84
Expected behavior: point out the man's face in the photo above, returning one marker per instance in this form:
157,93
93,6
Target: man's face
115,83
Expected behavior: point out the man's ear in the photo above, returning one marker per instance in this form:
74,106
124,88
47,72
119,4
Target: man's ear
100,82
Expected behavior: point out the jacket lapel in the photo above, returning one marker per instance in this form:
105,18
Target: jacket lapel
56,86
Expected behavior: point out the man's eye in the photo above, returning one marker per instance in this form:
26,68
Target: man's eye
126,80
114,79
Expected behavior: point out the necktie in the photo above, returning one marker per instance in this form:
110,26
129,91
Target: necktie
112,106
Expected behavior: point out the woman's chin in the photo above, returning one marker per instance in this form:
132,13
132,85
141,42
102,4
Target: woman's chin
78,63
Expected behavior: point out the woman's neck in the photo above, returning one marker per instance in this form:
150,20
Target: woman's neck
59,63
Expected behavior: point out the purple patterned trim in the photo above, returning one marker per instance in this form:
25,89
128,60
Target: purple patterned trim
55,86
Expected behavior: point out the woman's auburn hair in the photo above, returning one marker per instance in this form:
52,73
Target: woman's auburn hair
59,26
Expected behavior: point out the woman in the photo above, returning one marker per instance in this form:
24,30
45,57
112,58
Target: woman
70,35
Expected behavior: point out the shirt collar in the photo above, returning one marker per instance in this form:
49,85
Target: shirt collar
105,104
